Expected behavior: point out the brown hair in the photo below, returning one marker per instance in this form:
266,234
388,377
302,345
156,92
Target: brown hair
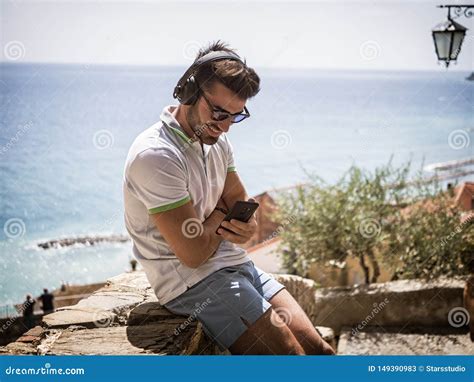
234,75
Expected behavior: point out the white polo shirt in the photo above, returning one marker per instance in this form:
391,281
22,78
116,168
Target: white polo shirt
165,170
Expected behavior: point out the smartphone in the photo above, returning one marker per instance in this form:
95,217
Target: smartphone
241,211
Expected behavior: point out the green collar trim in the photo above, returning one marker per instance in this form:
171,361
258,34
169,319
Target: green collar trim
182,135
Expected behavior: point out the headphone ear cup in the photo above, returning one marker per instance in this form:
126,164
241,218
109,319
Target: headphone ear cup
190,92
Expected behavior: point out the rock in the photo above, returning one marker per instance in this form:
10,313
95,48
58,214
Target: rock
157,339
113,301
107,305
119,340
397,341
85,240
133,280
148,312
150,296
4,350
87,317
34,335
20,348
125,317
327,334
51,335
397,303
468,299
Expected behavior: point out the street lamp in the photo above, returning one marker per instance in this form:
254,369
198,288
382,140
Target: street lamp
449,35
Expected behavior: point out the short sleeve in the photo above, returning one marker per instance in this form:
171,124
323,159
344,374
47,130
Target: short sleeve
230,156
158,179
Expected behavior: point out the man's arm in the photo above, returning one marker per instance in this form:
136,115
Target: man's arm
234,190
190,240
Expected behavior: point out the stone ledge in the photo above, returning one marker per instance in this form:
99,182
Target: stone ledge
74,315
125,317
134,280
121,340
400,341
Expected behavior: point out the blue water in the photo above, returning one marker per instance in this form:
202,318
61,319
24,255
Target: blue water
61,173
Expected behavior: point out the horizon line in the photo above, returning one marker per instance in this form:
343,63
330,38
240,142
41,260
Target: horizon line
294,68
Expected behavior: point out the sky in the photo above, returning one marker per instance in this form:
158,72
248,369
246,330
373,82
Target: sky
359,35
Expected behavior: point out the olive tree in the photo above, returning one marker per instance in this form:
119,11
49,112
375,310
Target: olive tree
364,215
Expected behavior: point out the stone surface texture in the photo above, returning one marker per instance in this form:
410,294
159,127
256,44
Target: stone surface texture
125,317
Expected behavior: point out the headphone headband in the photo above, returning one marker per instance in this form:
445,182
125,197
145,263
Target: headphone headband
186,89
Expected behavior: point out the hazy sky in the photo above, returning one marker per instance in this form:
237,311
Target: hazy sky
350,34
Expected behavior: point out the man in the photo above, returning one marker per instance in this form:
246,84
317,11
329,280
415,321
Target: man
47,302
28,311
179,181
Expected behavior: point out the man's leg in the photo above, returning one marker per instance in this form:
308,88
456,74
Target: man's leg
293,316
264,337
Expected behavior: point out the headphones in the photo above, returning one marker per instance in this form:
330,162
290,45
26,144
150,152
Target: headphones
187,89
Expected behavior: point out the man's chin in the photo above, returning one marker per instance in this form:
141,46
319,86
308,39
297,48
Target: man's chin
204,136
210,140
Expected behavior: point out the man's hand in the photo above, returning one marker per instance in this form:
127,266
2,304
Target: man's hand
241,232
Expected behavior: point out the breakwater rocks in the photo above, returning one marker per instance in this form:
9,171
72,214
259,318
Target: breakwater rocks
83,240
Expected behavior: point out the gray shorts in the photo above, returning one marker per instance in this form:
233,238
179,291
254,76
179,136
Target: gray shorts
220,300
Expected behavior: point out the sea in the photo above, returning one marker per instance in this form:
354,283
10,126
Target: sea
65,130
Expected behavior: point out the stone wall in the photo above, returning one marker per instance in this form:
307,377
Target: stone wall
398,303
124,317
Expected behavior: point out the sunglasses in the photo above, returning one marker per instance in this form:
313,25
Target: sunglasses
219,114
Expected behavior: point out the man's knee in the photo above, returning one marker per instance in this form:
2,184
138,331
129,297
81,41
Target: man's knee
314,345
263,337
